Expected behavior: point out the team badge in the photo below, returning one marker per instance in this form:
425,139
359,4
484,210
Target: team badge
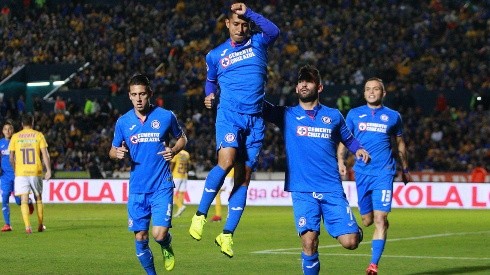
230,137
384,117
326,120
302,131
225,62
362,126
133,139
302,222
155,124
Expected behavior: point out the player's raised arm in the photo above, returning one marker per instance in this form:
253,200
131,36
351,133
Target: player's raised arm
268,28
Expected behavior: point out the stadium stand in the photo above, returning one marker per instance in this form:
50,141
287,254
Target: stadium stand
422,49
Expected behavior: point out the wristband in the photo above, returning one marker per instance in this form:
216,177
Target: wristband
405,171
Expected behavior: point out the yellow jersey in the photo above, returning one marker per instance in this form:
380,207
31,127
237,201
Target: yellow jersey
27,145
181,163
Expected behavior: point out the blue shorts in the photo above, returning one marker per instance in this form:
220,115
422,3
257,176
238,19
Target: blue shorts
374,193
310,208
241,131
143,207
7,183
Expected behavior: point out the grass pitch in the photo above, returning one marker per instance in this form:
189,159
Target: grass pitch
93,239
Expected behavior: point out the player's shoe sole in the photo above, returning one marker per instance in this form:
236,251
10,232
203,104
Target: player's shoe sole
197,226
168,258
225,241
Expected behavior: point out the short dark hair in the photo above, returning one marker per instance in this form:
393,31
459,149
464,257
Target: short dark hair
309,73
27,120
141,79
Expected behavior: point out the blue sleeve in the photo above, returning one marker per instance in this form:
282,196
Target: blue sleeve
211,87
274,114
399,125
349,122
176,129
118,135
347,137
270,31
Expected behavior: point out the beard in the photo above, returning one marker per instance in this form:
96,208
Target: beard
310,96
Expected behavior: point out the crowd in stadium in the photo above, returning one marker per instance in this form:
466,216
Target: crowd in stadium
438,45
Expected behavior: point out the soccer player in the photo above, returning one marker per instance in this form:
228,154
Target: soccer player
142,133
27,147
180,168
374,125
226,187
239,68
311,134
7,175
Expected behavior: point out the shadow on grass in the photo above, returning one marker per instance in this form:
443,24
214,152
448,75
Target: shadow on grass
455,270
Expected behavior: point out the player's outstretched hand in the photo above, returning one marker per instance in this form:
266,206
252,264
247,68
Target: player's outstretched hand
239,8
363,155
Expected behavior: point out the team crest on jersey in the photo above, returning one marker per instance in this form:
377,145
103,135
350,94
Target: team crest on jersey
302,131
362,126
302,222
384,117
155,124
230,137
326,120
225,62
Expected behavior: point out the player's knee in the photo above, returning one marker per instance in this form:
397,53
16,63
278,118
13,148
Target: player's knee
350,241
367,220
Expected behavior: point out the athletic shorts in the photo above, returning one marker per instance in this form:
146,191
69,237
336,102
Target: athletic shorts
241,131
310,208
374,193
156,206
7,183
180,185
26,184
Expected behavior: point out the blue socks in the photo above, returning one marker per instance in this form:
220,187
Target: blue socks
6,207
311,264
165,243
236,205
213,183
377,247
143,252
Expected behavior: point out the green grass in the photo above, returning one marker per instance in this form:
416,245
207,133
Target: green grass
93,239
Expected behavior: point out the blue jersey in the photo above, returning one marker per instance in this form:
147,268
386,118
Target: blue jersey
374,129
241,69
149,171
311,140
7,170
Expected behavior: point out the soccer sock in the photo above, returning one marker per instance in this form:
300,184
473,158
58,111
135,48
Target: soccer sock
24,208
377,247
217,206
236,205
40,211
310,264
212,185
17,200
165,243
5,207
143,252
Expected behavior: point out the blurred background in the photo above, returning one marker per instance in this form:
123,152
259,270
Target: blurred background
68,62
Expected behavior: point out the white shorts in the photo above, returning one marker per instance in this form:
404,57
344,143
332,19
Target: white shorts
180,185
25,184
227,185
